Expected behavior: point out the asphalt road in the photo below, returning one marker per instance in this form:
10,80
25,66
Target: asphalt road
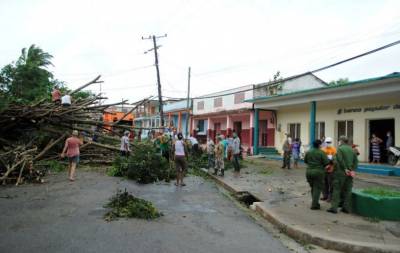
60,216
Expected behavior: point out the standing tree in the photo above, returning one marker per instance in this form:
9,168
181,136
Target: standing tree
340,81
27,79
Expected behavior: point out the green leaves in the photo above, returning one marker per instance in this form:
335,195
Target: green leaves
126,205
27,80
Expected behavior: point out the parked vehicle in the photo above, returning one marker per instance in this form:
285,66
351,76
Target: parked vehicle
394,155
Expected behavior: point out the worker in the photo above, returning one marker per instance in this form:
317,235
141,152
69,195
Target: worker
210,153
316,161
287,152
124,148
66,100
236,153
56,95
345,163
219,156
330,152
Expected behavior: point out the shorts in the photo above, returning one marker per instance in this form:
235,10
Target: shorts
180,163
74,159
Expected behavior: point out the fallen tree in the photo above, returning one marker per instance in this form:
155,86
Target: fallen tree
37,131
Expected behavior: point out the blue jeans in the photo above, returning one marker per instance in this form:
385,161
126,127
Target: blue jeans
235,162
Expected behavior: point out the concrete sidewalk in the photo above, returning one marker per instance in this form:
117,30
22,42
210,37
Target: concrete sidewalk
285,200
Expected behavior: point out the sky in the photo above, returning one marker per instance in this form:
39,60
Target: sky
227,43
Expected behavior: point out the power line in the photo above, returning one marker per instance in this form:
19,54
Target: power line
308,72
113,73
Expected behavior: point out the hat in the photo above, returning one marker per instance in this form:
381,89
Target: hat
343,138
75,133
126,132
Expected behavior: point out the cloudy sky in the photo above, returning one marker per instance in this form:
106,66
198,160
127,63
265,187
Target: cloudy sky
228,43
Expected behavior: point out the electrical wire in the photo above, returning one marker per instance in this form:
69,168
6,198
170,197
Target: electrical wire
306,73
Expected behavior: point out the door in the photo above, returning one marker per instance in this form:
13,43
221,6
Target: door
263,132
237,127
381,128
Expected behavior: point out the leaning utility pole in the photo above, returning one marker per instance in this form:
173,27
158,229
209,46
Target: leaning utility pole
188,105
155,47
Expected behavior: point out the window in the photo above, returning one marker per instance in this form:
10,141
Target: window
345,127
217,102
319,130
294,130
239,98
200,105
201,126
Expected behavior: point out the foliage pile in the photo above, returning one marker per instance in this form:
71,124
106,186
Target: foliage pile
125,205
144,165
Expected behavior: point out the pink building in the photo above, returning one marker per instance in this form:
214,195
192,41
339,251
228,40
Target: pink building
227,111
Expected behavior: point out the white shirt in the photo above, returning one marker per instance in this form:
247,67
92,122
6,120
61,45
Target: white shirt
193,140
66,100
179,148
124,140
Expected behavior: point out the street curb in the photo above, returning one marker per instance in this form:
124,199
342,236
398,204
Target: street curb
310,236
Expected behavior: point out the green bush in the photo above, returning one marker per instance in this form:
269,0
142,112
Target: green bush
126,205
52,165
144,165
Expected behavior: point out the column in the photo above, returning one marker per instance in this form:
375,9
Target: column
251,128
255,136
169,119
228,125
209,130
313,113
179,121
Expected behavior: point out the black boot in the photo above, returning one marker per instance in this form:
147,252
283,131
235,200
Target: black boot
222,172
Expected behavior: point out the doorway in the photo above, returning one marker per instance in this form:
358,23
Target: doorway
217,130
237,128
380,128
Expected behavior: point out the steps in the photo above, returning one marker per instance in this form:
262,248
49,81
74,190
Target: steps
376,171
267,151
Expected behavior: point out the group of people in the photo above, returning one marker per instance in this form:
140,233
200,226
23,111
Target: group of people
376,143
291,149
224,148
331,171
59,99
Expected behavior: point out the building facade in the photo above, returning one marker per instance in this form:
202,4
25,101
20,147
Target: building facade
177,115
356,109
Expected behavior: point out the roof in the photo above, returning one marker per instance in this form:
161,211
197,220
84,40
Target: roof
354,83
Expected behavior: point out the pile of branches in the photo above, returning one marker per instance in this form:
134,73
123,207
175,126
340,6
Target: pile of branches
37,132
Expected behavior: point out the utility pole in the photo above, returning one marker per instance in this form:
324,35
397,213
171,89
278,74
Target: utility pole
188,105
155,47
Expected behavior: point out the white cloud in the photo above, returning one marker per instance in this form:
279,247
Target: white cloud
227,43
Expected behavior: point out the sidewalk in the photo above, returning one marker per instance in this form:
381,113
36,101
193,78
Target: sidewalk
285,200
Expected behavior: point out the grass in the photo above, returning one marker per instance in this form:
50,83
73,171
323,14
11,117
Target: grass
381,192
52,165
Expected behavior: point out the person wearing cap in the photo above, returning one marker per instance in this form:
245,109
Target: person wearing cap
124,148
219,156
330,152
316,161
345,163
71,148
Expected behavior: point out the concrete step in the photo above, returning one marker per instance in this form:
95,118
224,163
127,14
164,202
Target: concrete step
385,172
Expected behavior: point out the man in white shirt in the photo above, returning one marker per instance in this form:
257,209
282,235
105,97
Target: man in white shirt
236,153
125,149
66,100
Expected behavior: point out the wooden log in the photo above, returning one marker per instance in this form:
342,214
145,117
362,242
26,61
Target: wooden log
49,146
96,80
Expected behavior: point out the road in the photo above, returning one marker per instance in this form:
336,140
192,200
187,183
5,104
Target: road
60,216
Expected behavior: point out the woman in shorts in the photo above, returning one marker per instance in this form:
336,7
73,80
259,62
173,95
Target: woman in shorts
180,155
71,148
